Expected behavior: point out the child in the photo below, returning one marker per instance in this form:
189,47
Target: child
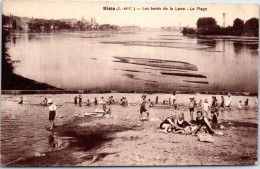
143,108
240,105
21,101
88,103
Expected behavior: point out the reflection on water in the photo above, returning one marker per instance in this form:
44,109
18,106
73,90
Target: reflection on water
54,141
86,60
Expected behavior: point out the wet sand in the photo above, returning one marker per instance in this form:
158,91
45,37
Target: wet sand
121,140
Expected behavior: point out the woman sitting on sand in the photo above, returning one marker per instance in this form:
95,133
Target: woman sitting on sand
181,123
168,124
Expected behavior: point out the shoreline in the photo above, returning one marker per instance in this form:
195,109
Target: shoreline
61,91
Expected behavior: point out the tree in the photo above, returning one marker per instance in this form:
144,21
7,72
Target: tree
238,27
238,24
207,22
252,26
14,24
207,26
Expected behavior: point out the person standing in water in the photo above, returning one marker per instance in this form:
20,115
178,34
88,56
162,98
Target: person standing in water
206,108
228,102
80,100
53,112
75,100
172,99
21,101
143,108
45,101
157,100
192,107
222,104
96,101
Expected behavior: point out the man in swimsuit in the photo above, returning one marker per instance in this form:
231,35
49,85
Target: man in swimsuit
53,112
201,121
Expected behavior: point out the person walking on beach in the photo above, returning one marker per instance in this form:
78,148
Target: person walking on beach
192,107
172,99
21,101
80,100
75,100
228,102
53,112
103,102
143,108
206,108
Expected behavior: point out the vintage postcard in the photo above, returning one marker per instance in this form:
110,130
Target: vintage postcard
129,83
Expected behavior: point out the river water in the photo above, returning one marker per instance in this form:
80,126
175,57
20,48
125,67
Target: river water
89,61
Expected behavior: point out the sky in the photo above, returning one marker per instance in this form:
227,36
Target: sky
57,9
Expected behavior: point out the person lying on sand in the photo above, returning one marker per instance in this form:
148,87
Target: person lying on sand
168,124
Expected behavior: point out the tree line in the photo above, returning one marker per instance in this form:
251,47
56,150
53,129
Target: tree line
43,25
208,26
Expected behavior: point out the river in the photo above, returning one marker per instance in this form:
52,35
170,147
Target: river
89,61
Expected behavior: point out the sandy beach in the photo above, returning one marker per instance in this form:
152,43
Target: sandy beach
120,139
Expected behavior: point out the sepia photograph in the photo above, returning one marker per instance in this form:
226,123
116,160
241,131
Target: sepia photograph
104,84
